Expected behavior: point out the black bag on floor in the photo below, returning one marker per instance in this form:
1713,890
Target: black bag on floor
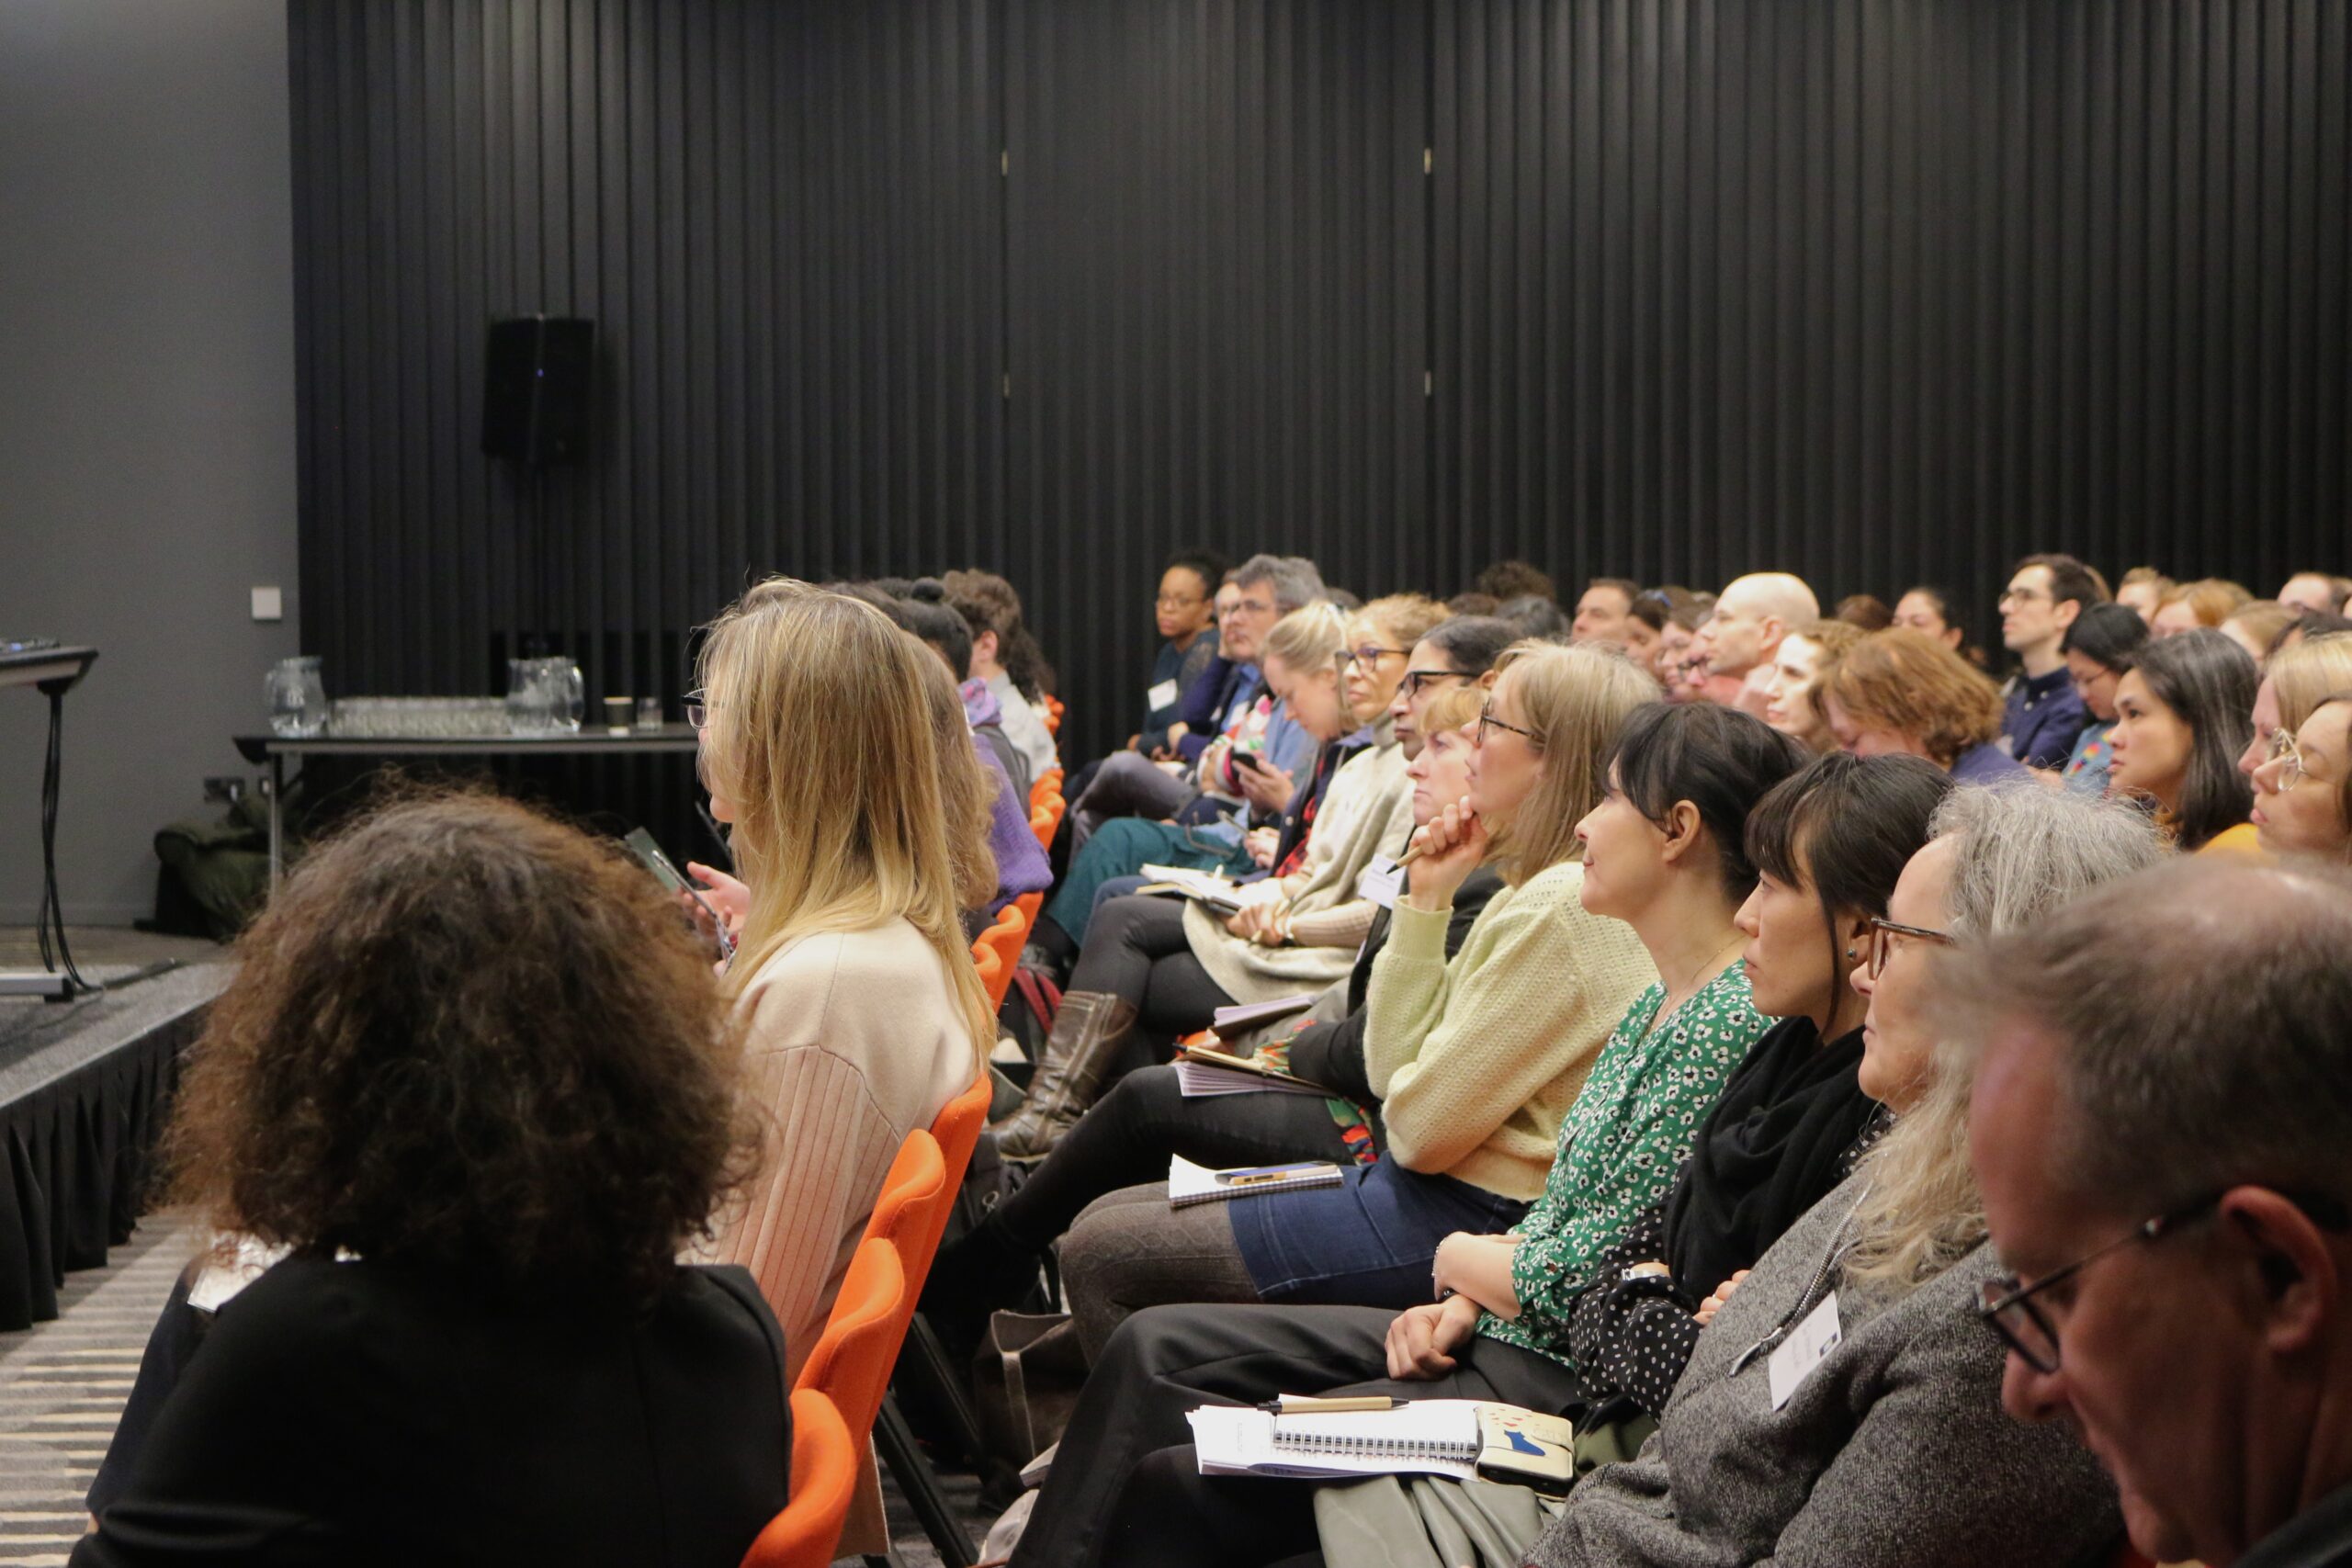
1025,1380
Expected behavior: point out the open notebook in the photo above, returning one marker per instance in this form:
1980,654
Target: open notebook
1459,1438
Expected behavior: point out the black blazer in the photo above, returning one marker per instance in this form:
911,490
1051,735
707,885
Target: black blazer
354,1413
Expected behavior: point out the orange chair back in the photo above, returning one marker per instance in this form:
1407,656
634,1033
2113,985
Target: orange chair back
1052,718
1047,784
916,1184
824,1477
995,978
1029,905
851,1364
957,1130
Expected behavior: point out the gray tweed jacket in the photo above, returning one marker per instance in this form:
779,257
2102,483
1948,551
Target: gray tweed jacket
1893,1453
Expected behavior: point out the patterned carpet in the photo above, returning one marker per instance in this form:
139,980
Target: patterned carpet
62,1385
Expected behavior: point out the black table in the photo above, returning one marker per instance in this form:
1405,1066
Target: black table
588,741
52,671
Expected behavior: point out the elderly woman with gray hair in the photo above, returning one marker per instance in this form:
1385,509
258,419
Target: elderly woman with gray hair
1842,1402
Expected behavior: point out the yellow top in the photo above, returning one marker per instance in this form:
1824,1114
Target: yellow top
2244,840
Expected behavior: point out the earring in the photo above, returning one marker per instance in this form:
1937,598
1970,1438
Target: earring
1853,953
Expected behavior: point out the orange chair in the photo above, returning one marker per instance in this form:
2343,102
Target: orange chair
995,978
851,1364
997,951
1031,906
1048,783
958,1132
1046,820
1053,716
824,1476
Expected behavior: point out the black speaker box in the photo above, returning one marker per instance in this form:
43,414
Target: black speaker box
535,401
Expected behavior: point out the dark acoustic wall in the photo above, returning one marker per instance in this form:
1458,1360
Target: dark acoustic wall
1874,289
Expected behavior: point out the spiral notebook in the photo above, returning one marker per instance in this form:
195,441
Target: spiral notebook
1189,1183
1428,1437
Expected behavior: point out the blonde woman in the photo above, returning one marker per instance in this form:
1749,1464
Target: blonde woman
832,743
1476,1059
2295,681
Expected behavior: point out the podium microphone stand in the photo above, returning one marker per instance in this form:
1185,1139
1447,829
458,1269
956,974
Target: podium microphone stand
51,671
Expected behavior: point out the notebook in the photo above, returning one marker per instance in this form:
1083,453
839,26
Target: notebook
1202,1071
1459,1438
1189,1183
1428,1437
1197,886
1249,1015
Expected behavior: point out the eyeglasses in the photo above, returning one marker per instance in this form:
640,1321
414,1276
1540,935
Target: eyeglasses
1883,934
1486,720
2289,756
2020,595
1416,678
1368,655
1248,606
1179,602
697,710
2007,1307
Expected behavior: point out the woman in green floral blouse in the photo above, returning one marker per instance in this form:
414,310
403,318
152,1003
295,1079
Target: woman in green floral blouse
1663,853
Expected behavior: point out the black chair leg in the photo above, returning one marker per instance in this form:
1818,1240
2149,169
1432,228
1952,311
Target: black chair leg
920,1482
925,1359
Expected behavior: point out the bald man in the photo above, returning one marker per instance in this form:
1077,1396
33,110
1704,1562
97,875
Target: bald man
1752,614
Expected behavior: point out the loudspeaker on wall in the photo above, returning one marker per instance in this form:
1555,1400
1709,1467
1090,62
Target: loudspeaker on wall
534,399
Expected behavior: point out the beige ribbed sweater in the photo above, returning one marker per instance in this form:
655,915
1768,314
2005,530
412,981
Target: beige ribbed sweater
1476,1061
855,1041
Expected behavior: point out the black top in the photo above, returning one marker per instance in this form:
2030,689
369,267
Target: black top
353,1412
2321,1537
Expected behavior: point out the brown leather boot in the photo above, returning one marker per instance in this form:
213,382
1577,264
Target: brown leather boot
1087,1034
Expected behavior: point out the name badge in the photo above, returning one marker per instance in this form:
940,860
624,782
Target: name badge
1160,696
1381,882
1807,1345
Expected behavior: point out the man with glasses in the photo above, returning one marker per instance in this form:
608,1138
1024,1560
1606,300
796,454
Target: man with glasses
2159,1129
2042,714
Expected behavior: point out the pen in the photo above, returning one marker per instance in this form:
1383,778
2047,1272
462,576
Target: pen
1307,1405
1252,1175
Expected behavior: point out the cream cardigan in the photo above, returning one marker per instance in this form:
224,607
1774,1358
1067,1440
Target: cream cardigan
1476,1061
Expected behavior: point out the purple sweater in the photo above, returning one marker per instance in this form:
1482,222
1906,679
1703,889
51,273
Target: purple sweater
1019,863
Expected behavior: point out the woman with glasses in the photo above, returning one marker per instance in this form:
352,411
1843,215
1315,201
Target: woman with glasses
2297,679
2184,719
1476,1059
1184,614
1164,965
2103,642
2302,794
1458,652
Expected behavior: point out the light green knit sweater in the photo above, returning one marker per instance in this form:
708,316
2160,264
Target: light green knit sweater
1476,1061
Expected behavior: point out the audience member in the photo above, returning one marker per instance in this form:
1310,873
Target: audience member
1901,692
1866,612
1458,651
1533,616
1125,1138
1605,612
1752,614
2316,591
2302,794
2258,625
1790,706
2183,718
1681,663
1475,1061
1006,660
1508,580
2104,642
477,1167
859,837
2308,626
1473,603
2143,589
1142,963
2296,682
1926,608
2159,1129
1644,631
2041,713
2206,602
1184,614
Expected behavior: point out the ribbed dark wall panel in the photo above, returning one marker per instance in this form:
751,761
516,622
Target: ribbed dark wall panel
1876,290
1215,271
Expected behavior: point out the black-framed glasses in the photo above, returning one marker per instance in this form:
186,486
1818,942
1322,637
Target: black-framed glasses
1246,606
1368,655
1486,720
1416,678
1884,934
697,710
2007,1307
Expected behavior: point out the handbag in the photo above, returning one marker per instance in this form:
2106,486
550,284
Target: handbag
1026,1380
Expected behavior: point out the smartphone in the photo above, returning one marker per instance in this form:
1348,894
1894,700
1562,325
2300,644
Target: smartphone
641,844
1250,759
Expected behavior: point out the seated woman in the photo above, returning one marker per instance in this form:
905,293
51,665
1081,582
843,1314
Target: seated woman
2184,716
2297,678
2103,642
2302,794
1184,614
1901,693
1791,706
1006,661
479,1165
1127,1138
1475,1060
2190,606
1151,963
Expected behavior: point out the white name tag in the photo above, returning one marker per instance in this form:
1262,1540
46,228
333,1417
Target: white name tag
1807,1345
1381,880
1160,696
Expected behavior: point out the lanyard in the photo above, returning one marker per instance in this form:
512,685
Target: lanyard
1838,1246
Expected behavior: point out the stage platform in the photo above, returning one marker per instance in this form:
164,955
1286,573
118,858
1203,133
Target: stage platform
84,1087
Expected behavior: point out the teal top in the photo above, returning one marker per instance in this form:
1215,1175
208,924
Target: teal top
1622,1145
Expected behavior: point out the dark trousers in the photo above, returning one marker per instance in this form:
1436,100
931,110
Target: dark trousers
1124,1486
1127,1138
1135,949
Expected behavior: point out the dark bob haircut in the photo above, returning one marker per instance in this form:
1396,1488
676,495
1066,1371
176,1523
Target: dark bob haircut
1472,642
2209,683
1844,829
1719,760
2112,634
466,1040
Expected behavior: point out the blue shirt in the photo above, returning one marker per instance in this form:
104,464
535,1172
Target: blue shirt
2041,719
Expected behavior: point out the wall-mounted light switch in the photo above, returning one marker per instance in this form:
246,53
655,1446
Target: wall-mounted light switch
269,605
